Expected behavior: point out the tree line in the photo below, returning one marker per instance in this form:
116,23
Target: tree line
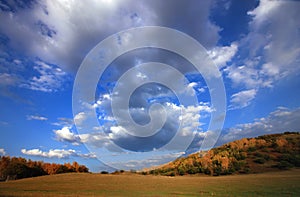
18,168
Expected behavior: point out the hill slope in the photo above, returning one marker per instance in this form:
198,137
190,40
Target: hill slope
248,155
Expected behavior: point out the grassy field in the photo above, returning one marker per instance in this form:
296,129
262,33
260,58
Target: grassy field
284,183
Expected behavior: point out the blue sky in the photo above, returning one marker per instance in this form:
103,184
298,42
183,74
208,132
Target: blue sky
255,45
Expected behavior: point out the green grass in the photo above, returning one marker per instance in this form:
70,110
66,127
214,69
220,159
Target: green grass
283,183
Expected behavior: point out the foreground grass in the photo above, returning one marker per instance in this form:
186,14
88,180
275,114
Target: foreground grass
284,183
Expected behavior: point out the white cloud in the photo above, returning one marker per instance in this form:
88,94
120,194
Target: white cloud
97,138
270,51
64,122
263,12
278,121
58,32
8,79
65,134
58,153
80,118
39,76
242,99
275,39
2,151
269,69
244,76
224,54
105,136
155,160
190,88
49,78
33,117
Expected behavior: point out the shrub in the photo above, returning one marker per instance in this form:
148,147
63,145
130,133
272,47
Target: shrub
251,149
191,171
181,171
259,160
207,171
284,165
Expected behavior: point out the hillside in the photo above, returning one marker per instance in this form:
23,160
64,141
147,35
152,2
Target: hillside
248,155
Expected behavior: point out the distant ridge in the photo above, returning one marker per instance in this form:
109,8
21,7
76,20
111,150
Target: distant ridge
248,155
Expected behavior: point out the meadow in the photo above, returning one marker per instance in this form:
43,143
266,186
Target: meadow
280,183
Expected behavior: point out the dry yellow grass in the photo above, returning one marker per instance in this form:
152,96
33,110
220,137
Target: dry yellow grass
284,183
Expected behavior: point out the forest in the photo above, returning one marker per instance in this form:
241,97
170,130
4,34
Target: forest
12,168
248,155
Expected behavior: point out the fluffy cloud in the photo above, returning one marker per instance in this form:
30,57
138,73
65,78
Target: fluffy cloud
222,55
32,117
65,134
245,76
242,99
278,121
2,151
80,117
271,50
58,153
180,120
58,32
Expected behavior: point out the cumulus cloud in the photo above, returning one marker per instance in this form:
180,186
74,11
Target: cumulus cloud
2,151
80,117
66,135
182,121
33,117
58,32
58,153
242,99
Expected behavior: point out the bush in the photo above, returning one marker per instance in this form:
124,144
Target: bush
292,159
207,171
237,165
181,171
284,165
192,171
259,160
240,156
251,149
104,172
